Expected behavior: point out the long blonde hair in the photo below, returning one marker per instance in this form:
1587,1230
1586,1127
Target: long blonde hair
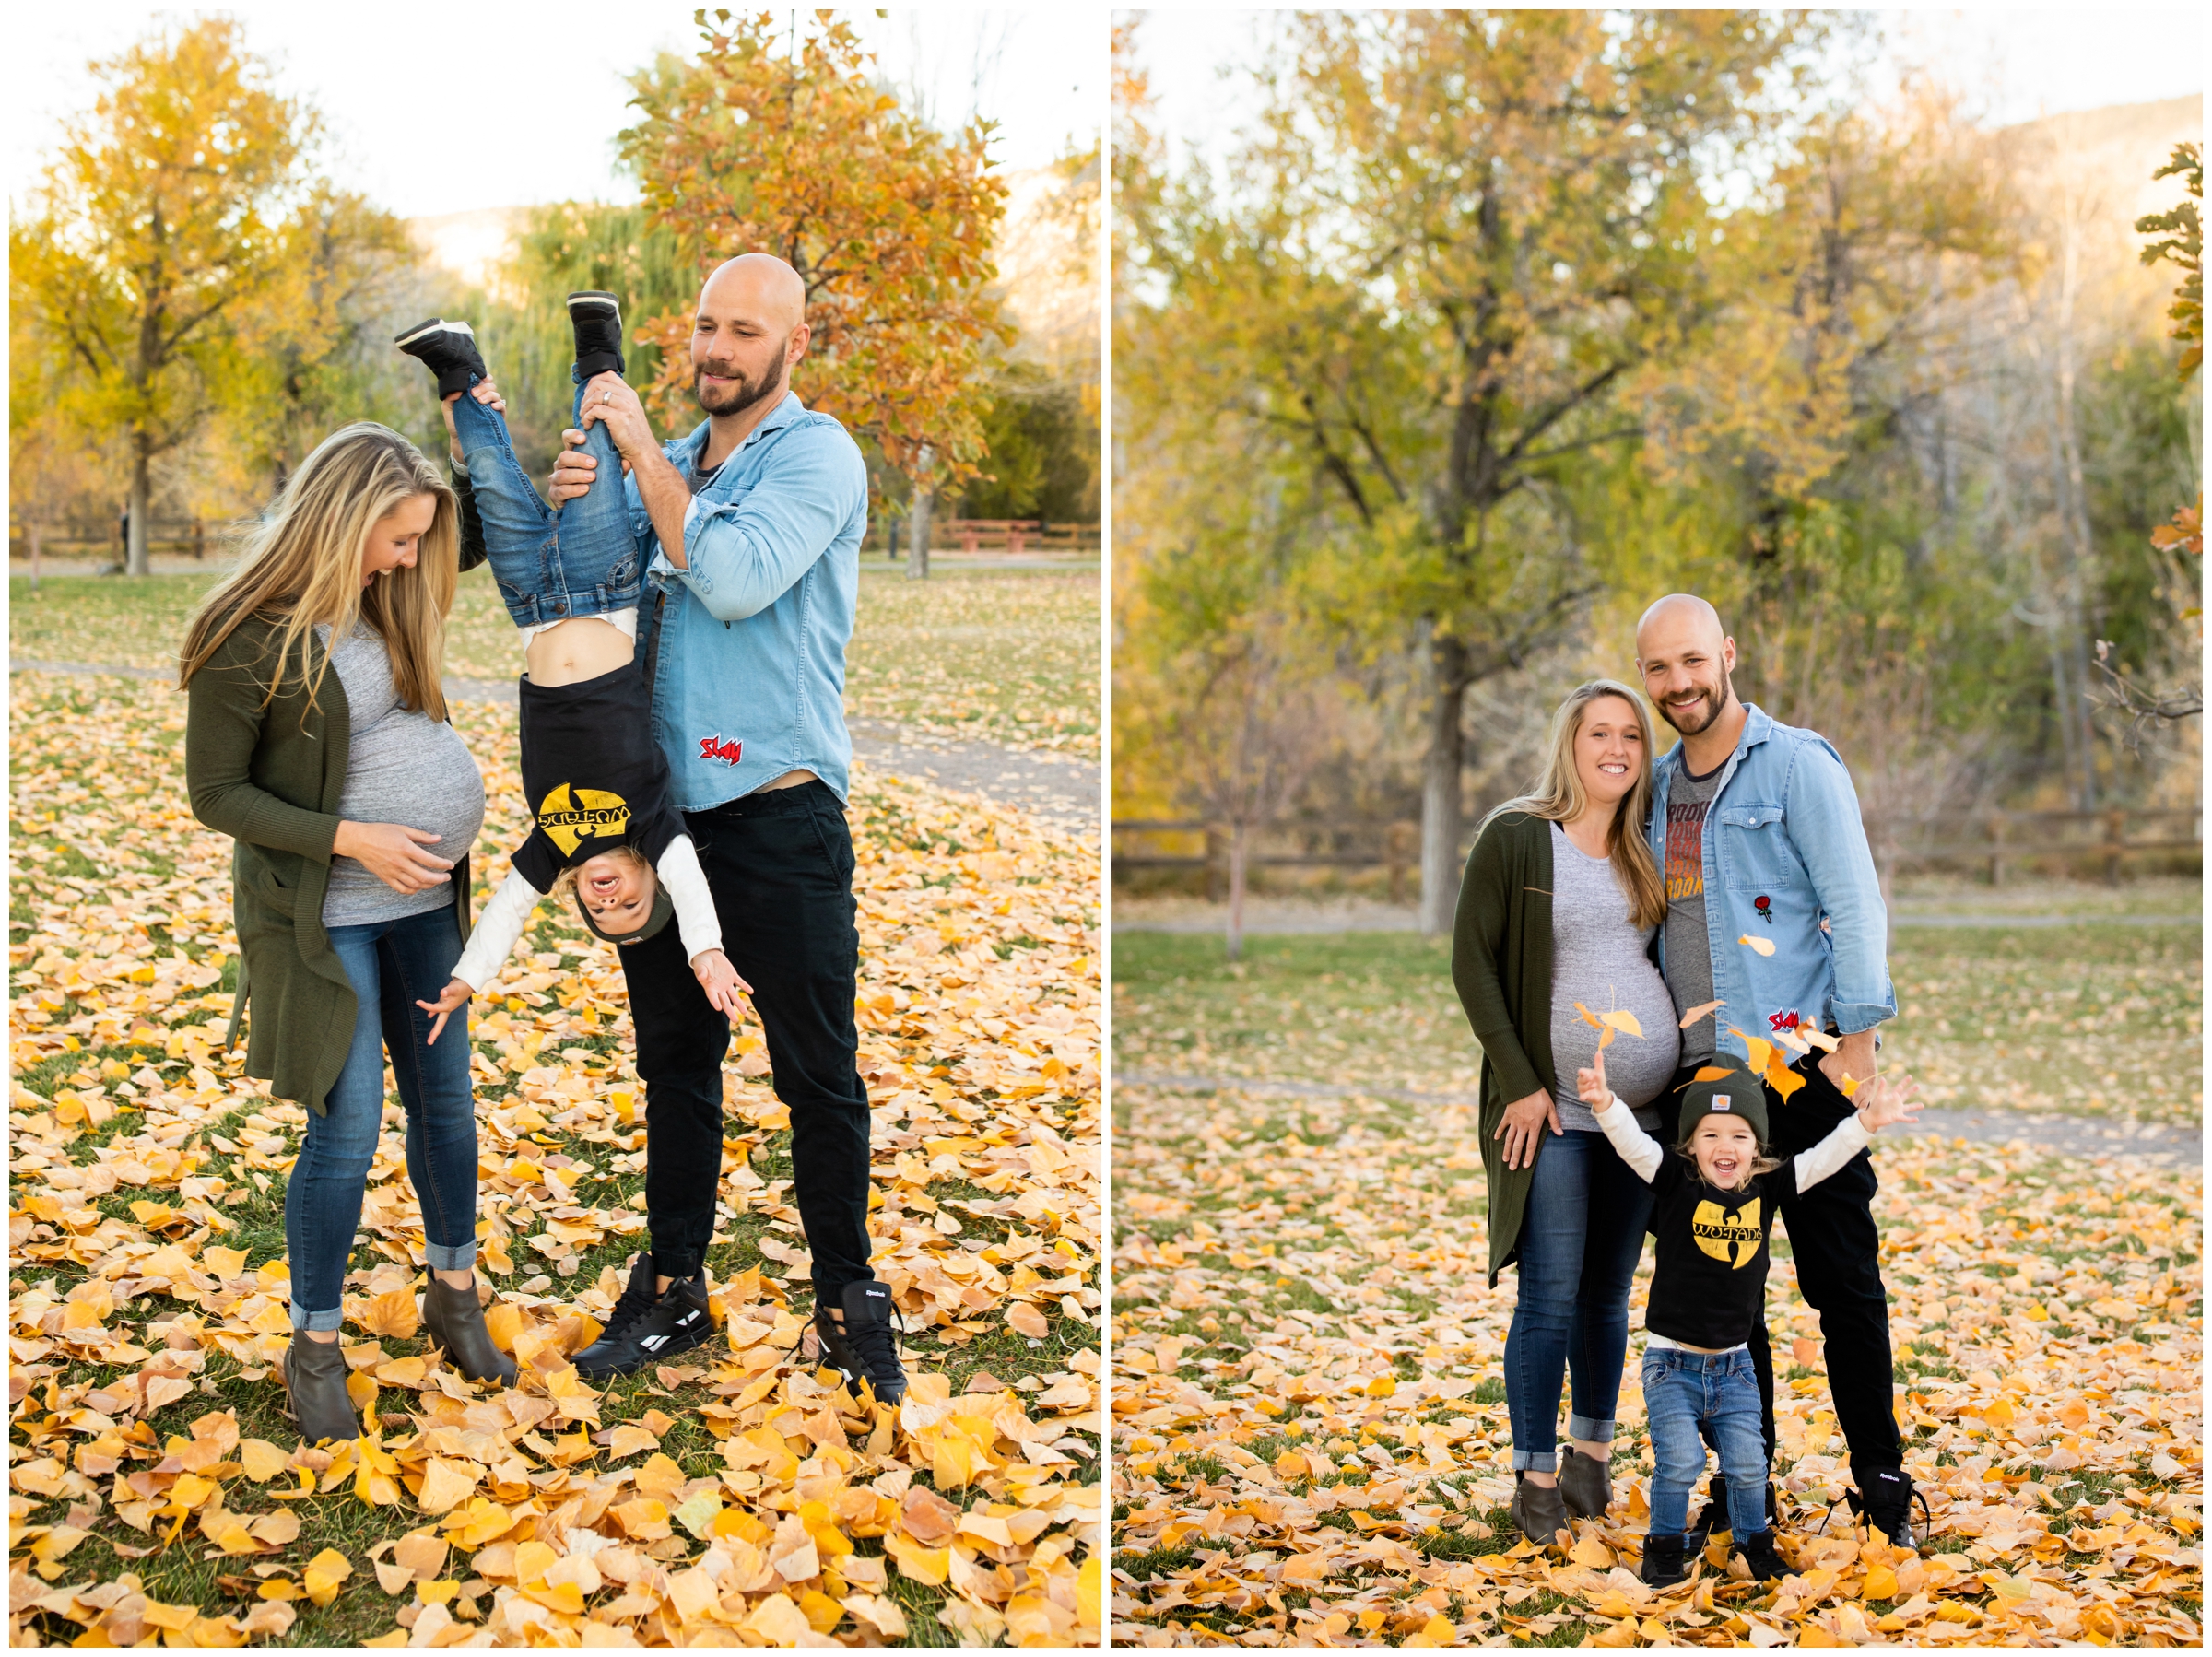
301,566
1559,797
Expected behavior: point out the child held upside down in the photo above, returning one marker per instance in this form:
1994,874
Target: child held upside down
1716,1202
596,779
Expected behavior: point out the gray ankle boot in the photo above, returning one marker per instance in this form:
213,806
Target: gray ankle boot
1540,1513
314,1376
456,1320
1586,1483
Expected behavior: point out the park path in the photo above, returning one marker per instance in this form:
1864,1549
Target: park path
1063,790
2162,1145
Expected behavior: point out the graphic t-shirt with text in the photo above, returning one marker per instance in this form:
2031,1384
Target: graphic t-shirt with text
592,774
1709,1280
1689,952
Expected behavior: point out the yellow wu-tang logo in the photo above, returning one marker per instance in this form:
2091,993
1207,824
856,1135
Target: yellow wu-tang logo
570,817
1715,1230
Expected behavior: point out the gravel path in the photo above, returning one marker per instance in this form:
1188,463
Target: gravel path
1064,791
2162,1144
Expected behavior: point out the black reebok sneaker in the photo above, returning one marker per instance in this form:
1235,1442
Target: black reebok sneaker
1884,1501
866,1346
448,350
646,1327
597,319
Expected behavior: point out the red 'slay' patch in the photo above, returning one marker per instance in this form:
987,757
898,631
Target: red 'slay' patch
713,747
1783,1021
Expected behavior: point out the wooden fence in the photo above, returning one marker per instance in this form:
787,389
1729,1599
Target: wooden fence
1987,840
79,538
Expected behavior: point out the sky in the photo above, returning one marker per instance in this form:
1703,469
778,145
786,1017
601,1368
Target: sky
2012,64
438,109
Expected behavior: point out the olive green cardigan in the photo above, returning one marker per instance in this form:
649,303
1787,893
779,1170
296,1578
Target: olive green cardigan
271,777
1501,966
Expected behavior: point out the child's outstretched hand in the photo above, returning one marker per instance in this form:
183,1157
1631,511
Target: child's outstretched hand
720,981
451,999
1590,1084
1887,1100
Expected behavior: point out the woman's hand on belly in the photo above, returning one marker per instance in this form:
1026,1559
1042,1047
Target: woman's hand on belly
394,854
1523,1129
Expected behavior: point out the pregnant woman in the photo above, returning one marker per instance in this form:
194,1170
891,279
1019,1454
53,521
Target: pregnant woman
317,738
1559,905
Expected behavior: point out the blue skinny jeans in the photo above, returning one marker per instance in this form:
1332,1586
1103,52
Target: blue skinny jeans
1690,1398
392,965
1581,1237
551,563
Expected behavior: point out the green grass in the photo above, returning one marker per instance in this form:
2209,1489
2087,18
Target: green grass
2091,1019
1009,656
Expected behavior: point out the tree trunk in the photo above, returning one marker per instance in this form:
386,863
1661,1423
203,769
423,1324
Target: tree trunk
1439,786
917,555
1239,840
134,558
31,533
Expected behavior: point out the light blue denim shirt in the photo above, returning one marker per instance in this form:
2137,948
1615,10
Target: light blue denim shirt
749,678
1782,840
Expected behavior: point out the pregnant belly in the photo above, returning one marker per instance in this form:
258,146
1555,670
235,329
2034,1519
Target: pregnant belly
420,775
1637,1067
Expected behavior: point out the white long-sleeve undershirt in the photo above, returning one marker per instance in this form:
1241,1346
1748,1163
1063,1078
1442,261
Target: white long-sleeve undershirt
1645,1154
500,925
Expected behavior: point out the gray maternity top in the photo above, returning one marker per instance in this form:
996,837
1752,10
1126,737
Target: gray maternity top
1598,960
403,767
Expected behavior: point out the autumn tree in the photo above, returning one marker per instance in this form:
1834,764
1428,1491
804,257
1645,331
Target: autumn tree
2179,239
158,222
337,258
1457,241
770,144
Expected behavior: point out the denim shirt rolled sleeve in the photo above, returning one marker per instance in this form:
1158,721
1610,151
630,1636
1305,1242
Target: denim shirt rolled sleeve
748,640
1786,860
741,555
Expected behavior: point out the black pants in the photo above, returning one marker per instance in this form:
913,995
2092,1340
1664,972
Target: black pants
780,864
1838,1255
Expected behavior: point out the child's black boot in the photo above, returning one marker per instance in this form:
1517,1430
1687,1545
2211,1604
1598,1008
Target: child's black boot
448,350
1663,1562
1760,1556
597,319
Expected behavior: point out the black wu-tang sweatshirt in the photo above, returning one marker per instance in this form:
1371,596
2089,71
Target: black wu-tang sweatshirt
594,775
1709,1268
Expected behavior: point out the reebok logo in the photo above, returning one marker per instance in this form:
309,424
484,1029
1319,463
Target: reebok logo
653,1343
713,747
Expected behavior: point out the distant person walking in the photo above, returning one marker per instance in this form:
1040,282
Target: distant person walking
316,737
1556,919
1756,828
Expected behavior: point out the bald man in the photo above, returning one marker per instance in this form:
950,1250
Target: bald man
1755,828
758,514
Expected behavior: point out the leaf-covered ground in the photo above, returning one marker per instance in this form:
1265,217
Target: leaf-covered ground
1009,656
740,1495
1311,1439
2093,1019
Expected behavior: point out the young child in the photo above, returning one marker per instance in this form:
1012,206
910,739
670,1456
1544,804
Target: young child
596,781
1714,1205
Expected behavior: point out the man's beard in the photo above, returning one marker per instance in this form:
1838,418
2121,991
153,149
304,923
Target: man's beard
738,397
1703,712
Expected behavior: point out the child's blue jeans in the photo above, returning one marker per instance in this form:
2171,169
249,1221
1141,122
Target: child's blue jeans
551,563
1718,1391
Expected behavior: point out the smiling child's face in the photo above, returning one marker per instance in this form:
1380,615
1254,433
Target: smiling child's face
617,891
1724,1148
